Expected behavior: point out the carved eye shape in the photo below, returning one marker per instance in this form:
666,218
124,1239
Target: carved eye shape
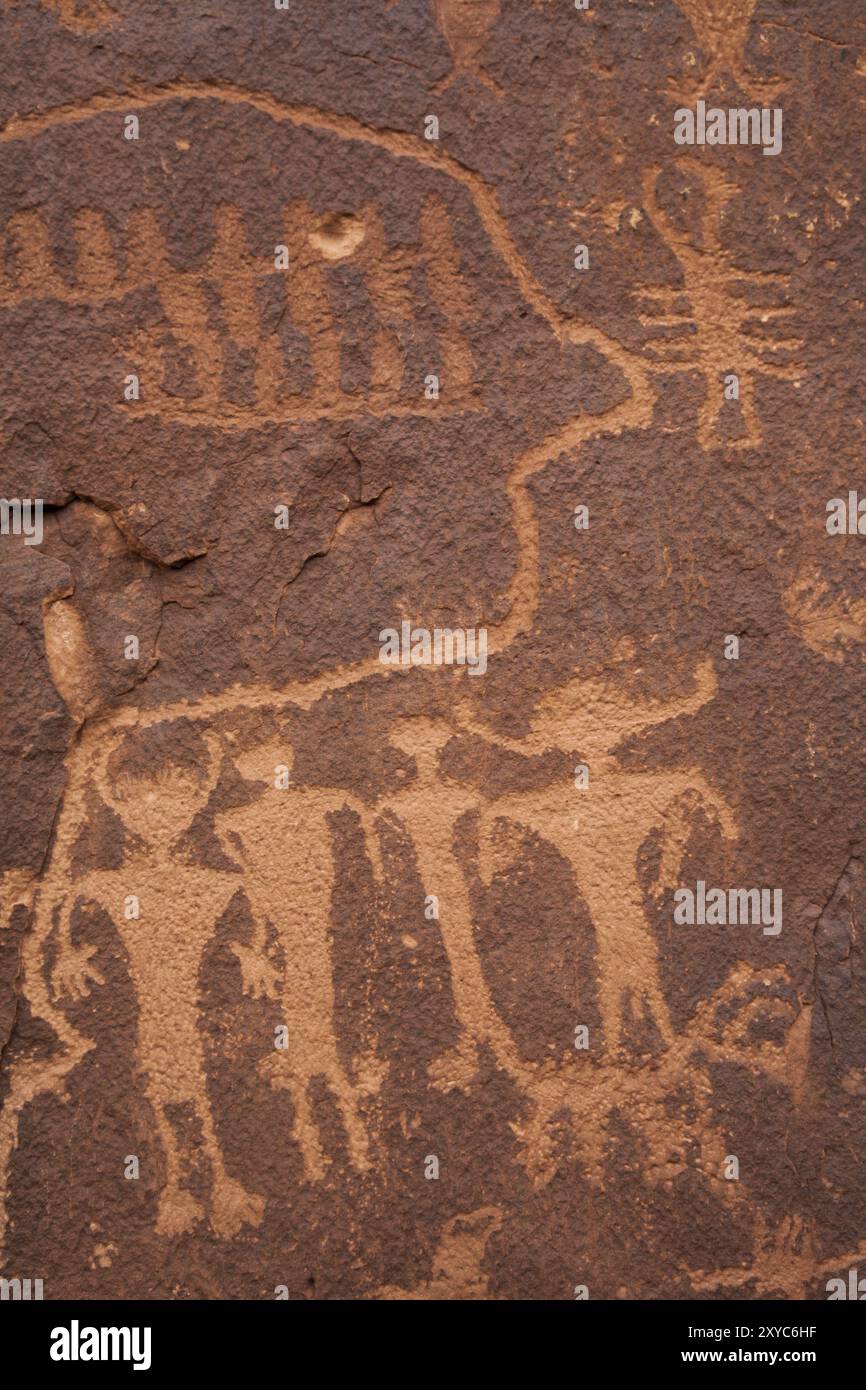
338,235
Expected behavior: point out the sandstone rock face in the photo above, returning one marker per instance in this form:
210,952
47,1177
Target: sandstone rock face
433,764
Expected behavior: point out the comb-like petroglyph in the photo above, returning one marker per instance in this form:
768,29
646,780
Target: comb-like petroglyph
367,975
607,830
719,320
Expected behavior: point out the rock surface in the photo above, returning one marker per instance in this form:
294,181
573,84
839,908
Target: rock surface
343,978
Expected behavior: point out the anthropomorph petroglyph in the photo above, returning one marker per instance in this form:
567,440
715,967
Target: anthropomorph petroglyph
157,781
429,808
284,843
600,830
721,321
83,16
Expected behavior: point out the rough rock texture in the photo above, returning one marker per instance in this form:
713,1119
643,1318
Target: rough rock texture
348,979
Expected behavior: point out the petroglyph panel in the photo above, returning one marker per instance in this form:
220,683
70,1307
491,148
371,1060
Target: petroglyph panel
432,774
237,317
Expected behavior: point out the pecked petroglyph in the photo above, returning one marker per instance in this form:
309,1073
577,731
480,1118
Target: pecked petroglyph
785,1261
477,1017
290,891
566,328
284,844
97,280
832,624
34,1077
185,320
715,323
429,808
600,831
157,788
721,28
42,898
211,316
458,1264
82,16
634,412
466,25
677,1136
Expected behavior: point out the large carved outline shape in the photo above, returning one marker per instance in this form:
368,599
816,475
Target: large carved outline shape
634,412
398,143
466,25
523,594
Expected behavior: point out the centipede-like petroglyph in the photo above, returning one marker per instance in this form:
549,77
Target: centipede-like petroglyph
722,319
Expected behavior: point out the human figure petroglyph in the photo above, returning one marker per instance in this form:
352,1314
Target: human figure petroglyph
457,1266
285,845
705,322
429,807
547,1091
157,783
600,830
593,717
602,718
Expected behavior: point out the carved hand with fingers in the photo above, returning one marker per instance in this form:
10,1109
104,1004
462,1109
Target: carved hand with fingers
74,973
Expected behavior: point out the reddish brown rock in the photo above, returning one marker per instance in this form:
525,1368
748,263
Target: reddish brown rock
362,979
